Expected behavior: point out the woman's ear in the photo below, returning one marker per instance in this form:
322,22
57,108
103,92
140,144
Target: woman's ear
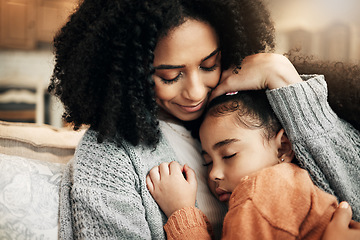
285,152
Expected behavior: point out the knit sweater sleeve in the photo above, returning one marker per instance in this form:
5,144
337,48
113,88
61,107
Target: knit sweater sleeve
100,196
188,223
325,145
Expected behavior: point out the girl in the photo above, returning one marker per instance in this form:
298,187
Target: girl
248,158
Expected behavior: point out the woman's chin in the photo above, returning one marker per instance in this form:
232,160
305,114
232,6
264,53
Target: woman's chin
191,118
185,117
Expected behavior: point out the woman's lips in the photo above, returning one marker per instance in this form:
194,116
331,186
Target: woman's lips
223,195
194,108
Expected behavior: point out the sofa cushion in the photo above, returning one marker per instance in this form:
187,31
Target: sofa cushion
41,142
29,198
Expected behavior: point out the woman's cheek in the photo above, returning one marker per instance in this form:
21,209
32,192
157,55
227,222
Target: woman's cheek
214,79
164,92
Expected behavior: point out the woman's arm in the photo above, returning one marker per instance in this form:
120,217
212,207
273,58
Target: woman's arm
100,197
258,71
326,146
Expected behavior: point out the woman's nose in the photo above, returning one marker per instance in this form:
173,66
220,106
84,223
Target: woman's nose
194,87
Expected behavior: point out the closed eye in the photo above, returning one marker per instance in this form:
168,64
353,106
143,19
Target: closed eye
207,164
229,156
170,81
209,69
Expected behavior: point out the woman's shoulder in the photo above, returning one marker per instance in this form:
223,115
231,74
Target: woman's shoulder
117,153
90,149
90,143
97,163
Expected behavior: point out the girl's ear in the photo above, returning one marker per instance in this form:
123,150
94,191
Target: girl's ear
285,152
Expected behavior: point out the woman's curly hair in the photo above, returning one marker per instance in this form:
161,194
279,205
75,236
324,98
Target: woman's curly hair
104,55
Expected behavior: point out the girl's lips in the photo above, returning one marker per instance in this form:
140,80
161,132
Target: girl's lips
223,195
192,109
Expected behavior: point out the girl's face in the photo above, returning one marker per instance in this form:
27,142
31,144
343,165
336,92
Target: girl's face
232,151
187,68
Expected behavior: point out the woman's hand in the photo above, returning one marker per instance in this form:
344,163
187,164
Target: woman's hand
173,187
258,71
341,226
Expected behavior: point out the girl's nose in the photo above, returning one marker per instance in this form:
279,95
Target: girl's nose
216,173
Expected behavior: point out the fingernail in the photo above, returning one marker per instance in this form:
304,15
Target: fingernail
344,205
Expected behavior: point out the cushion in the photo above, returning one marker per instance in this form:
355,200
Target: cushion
29,198
40,142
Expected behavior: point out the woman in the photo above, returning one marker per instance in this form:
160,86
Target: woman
136,71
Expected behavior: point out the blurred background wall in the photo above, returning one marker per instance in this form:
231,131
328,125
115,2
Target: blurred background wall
326,29
27,28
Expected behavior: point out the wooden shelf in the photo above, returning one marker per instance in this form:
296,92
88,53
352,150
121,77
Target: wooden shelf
24,23
17,24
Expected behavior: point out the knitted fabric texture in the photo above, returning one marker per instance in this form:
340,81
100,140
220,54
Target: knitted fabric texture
104,195
188,223
278,202
326,146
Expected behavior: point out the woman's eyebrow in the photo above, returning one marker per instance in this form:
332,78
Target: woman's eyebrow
211,54
164,66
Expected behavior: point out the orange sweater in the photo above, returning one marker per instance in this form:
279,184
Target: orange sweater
279,202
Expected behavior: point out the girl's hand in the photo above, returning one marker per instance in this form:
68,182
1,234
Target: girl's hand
170,189
341,226
258,71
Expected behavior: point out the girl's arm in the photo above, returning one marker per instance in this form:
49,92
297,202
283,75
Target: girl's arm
174,189
188,223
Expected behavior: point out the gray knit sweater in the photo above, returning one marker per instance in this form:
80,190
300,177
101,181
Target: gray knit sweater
326,146
104,195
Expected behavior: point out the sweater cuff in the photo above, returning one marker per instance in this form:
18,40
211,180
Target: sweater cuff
302,108
188,223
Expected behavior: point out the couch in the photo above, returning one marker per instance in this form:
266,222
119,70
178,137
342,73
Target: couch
32,158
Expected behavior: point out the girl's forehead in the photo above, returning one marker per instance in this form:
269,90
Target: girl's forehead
219,121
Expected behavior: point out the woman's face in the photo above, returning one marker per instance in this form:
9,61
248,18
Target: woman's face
187,68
